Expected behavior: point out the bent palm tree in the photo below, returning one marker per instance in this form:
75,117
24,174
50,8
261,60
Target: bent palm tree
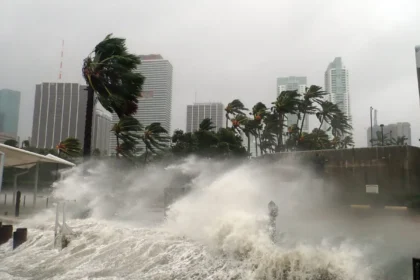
327,112
259,111
70,147
312,95
206,124
286,103
110,72
128,131
236,107
155,138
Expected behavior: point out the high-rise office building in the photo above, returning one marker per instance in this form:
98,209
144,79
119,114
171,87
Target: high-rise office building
293,83
197,112
60,112
102,125
9,112
337,85
155,103
417,51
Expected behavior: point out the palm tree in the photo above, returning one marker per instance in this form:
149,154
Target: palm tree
155,138
347,142
312,95
236,107
286,103
206,124
109,72
258,111
327,112
340,125
70,147
11,142
25,144
249,128
128,131
401,140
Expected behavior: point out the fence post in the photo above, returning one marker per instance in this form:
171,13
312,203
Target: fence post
24,200
273,211
19,237
416,269
17,207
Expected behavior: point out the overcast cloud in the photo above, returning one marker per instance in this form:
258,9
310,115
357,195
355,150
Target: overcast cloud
226,49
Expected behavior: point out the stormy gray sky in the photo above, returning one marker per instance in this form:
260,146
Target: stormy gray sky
225,49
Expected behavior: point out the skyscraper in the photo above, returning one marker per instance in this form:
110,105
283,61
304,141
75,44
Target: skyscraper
337,85
155,103
102,125
9,112
417,50
59,113
293,83
199,111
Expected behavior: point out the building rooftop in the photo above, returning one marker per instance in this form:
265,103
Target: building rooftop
150,57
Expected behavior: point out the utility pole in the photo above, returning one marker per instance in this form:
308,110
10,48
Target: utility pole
371,127
382,132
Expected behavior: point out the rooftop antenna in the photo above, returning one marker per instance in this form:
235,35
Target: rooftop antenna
60,73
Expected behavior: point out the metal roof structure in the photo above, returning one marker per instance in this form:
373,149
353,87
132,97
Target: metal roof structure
19,158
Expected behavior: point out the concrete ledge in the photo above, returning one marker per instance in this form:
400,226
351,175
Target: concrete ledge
395,208
360,206
398,208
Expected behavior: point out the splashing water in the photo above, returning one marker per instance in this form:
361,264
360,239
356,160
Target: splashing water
216,231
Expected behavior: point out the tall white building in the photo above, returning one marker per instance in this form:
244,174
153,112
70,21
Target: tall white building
60,112
293,83
337,86
102,125
197,112
155,103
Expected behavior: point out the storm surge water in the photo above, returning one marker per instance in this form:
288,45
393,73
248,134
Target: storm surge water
218,230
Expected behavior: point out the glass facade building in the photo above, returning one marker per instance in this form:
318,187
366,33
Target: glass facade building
9,111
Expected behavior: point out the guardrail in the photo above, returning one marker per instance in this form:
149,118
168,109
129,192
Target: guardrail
61,231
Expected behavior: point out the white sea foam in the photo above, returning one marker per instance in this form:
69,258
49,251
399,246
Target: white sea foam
216,231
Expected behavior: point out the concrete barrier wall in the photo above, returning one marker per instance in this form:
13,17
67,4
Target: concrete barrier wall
395,169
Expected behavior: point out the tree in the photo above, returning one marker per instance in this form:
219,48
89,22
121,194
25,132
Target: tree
236,107
287,102
259,111
127,131
70,147
25,144
327,112
11,142
155,138
347,142
312,96
109,72
206,124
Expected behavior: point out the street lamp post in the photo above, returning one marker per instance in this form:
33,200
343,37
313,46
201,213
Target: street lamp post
371,127
382,132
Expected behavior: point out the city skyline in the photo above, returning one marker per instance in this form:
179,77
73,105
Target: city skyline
238,65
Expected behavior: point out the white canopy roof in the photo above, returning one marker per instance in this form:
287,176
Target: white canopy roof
15,157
